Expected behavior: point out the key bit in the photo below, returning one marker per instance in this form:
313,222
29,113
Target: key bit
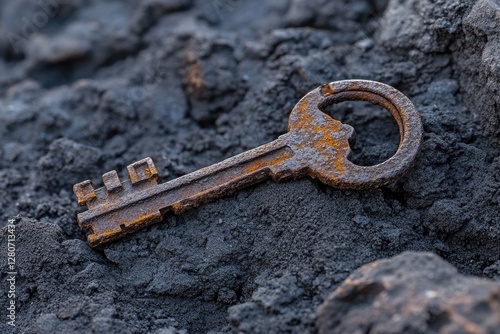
315,145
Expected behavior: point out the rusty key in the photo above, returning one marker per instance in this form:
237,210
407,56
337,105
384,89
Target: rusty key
315,145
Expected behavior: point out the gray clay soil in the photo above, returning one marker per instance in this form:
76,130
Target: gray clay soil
101,84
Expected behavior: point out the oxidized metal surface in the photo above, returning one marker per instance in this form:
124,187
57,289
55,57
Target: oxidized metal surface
316,146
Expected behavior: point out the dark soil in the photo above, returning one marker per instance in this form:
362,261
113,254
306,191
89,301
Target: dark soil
102,84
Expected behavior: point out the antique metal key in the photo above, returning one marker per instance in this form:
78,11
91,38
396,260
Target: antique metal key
315,145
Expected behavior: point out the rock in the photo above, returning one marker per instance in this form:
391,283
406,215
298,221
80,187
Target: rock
411,293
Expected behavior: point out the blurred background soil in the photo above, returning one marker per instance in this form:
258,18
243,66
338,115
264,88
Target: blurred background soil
89,86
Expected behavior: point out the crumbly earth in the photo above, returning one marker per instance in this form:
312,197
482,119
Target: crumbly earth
100,84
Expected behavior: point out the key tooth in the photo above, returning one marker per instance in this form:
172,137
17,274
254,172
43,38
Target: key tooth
85,192
141,171
112,182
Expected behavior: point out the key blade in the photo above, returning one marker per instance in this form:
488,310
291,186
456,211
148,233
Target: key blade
110,215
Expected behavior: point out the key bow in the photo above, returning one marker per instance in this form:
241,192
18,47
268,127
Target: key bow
334,167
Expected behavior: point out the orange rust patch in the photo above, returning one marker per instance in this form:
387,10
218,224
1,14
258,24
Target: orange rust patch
326,90
194,77
273,159
319,131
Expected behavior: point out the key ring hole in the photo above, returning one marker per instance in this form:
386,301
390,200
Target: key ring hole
368,148
376,132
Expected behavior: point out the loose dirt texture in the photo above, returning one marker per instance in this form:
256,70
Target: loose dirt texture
103,84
